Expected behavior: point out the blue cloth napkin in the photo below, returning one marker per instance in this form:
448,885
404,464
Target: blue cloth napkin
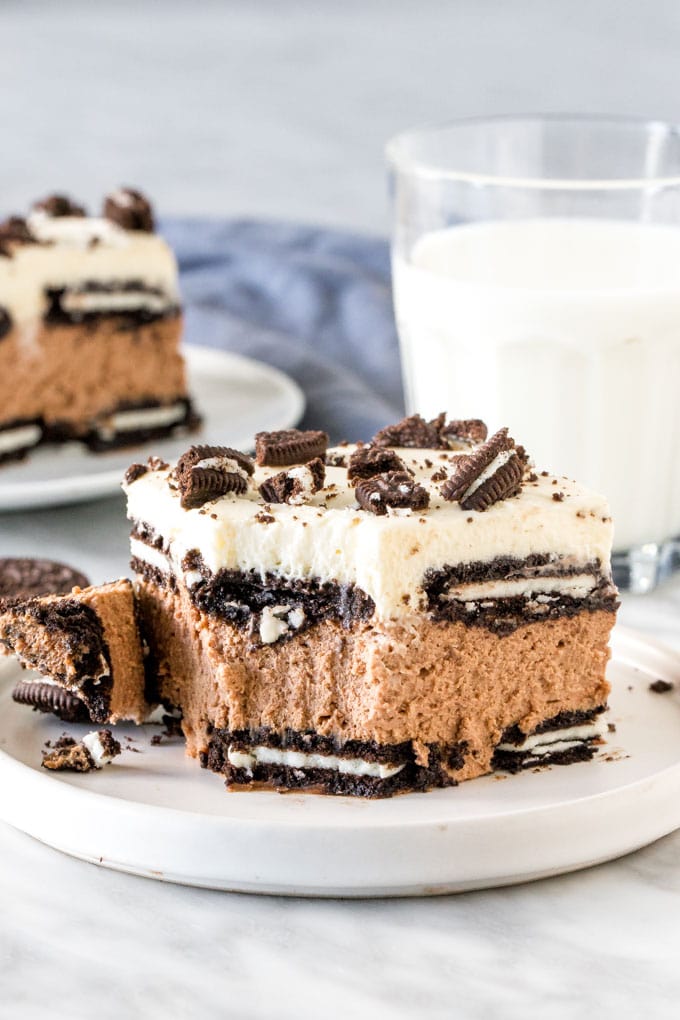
314,302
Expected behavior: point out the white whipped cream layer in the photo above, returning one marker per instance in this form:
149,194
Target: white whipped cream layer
330,539
80,249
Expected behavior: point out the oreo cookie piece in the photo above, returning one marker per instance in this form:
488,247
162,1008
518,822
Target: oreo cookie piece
395,490
204,473
368,461
44,697
14,230
129,209
58,205
492,472
23,578
289,446
295,486
413,432
464,432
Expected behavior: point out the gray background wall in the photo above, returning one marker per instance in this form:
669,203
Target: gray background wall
266,108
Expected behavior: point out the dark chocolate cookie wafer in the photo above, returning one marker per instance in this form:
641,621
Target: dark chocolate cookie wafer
23,578
368,461
208,472
14,230
413,432
464,432
492,472
58,206
395,489
49,698
129,209
289,446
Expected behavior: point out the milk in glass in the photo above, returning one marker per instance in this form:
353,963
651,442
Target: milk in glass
567,331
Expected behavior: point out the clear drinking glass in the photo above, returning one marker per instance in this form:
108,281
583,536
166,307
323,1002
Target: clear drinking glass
536,270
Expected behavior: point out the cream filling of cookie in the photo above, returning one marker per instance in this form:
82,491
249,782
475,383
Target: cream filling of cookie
19,437
97,749
388,557
158,559
78,249
114,301
260,755
576,586
306,480
275,621
141,418
557,740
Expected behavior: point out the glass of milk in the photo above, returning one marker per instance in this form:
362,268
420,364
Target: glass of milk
536,270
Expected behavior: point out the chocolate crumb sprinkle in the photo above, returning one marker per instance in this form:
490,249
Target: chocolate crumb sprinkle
134,472
661,687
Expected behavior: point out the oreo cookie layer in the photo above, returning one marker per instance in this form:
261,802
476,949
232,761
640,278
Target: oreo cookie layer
351,769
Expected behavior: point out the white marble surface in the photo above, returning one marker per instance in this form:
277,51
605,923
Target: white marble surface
282,108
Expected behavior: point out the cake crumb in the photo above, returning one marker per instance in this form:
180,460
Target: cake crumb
661,687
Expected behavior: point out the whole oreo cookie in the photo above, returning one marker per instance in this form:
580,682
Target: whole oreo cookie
23,578
45,697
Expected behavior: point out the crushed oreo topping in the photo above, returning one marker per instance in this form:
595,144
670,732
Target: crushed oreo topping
477,484
14,230
295,486
45,697
5,322
68,755
464,432
204,473
412,432
368,461
129,209
134,472
395,489
289,446
438,434
59,205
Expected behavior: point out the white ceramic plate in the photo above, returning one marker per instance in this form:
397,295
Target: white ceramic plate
236,396
156,813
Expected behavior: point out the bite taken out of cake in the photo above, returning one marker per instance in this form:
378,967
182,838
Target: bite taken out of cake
374,618
90,328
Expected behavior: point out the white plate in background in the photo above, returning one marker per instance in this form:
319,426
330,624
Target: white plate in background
235,396
156,813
